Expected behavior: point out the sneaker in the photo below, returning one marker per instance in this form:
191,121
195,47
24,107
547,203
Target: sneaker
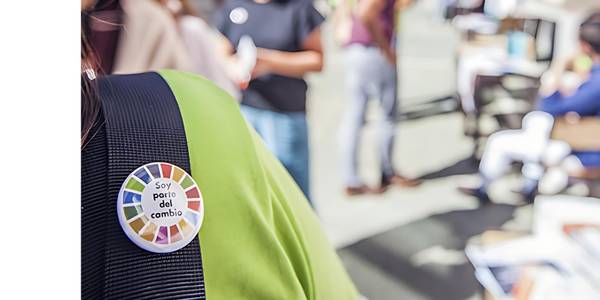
364,190
529,194
399,181
355,191
529,190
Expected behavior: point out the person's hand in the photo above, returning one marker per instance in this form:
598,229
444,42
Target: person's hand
262,66
390,55
570,82
549,83
235,73
564,64
572,117
401,5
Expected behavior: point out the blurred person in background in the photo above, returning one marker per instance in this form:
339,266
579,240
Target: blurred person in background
134,36
201,44
565,95
370,59
106,23
288,40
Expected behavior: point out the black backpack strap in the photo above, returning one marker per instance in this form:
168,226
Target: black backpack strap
143,125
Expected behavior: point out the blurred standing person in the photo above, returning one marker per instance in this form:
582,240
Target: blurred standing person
200,43
288,40
370,56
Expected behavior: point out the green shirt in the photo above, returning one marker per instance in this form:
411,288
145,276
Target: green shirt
260,239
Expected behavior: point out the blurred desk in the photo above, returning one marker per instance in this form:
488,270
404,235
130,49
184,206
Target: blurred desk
581,135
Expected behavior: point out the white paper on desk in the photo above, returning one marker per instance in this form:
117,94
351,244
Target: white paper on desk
551,213
589,239
563,268
498,267
516,251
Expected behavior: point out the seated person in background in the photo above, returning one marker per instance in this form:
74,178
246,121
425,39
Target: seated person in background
510,49
532,144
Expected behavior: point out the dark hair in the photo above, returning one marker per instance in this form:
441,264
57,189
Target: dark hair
589,31
90,68
90,106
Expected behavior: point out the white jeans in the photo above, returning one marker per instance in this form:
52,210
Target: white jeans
368,75
530,145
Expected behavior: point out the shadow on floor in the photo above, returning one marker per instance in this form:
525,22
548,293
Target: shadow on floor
435,107
383,266
464,166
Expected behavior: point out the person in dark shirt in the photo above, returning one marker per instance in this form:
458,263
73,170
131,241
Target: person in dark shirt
532,144
288,40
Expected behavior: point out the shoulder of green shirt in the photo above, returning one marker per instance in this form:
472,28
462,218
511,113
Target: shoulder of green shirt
260,239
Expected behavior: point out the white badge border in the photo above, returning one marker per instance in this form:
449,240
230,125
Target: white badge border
136,238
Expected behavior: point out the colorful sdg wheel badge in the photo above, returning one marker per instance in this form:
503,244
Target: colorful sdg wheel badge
160,207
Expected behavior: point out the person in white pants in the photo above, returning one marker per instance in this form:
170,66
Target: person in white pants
531,145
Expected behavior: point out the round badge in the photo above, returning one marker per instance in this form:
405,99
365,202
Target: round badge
160,207
238,15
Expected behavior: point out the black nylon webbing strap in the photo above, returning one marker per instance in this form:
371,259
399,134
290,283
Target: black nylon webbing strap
143,125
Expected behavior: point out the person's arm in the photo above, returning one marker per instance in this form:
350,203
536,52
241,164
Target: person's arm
368,12
551,78
292,64
308,36
584,102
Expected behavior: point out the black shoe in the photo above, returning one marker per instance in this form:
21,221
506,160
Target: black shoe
529,191
363,190
529,196
479,193
400,181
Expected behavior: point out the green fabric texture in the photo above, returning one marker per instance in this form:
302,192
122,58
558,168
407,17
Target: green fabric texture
260,239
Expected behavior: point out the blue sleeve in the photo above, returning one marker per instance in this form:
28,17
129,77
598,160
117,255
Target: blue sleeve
585,101
309,19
